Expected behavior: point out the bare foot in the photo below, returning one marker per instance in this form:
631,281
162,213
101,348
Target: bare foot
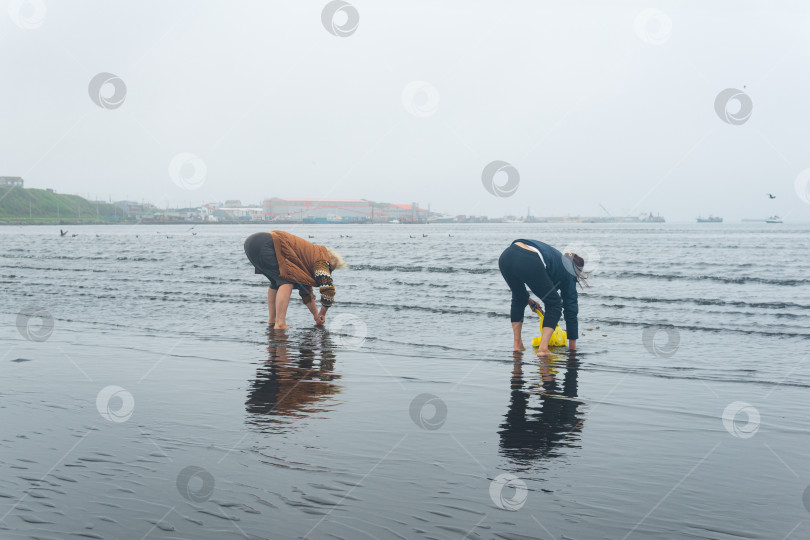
281,326
271,323
519,347
543,352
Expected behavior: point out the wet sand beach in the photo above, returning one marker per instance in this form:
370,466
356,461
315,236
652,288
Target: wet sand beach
159,405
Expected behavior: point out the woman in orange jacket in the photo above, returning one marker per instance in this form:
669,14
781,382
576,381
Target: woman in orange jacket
291,262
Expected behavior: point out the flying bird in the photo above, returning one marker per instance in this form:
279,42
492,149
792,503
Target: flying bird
771,196
62,233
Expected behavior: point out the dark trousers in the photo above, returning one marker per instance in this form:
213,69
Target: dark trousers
521,267
262,255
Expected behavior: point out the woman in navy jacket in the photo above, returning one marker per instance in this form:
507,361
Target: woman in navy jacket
546,271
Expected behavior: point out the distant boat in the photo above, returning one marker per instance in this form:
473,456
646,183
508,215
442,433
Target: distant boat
774,219
394,221
710,219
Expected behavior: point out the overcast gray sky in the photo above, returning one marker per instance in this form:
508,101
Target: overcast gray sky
591,102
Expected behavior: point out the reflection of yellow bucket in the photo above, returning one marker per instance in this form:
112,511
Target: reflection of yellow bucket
558,338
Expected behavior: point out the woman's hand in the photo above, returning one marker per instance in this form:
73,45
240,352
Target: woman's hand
321,317
535,305
314,310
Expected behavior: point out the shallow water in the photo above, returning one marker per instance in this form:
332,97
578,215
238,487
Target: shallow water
400,418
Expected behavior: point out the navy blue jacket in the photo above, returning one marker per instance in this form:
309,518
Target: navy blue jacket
563,274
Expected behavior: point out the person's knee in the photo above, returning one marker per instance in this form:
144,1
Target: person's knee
519,303
520,299
284,291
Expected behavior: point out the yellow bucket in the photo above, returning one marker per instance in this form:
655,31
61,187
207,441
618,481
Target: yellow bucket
558,338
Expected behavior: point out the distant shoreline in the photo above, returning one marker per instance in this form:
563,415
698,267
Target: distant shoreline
274,223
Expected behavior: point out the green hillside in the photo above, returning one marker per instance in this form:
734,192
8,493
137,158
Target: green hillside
19,205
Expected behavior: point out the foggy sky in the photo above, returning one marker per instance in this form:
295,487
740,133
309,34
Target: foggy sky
585,101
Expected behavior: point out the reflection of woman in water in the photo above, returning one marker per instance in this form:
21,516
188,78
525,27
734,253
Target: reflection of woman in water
294,381
531,433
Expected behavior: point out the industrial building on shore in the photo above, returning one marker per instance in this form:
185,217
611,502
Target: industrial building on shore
341,211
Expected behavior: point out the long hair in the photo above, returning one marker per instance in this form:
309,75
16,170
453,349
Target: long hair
336,260
579,269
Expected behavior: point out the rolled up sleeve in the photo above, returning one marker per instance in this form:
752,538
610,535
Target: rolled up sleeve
323,278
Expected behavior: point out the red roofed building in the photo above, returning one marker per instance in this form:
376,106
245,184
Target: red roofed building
340,211
405,213
349,210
